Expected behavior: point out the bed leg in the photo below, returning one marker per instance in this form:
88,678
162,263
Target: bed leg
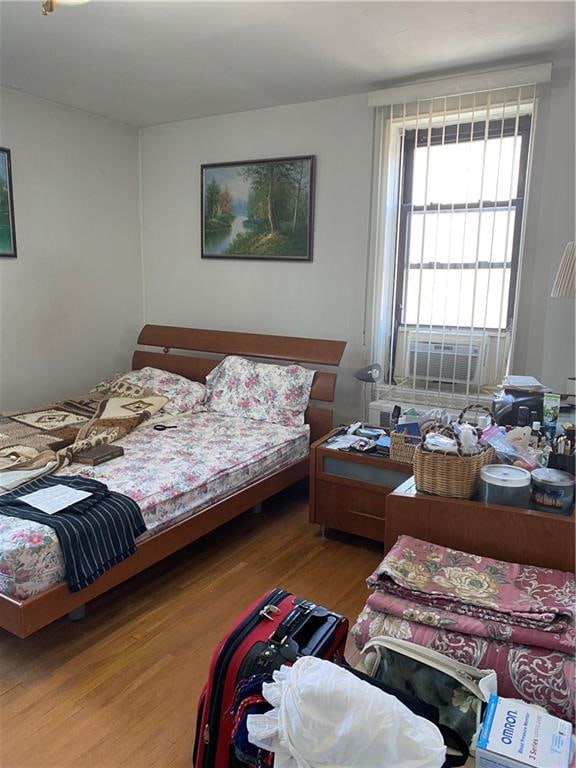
78,613
257,508
322,531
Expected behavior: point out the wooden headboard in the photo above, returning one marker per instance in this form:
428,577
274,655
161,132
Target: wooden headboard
273,348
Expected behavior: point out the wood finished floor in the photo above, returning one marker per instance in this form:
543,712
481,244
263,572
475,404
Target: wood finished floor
119,689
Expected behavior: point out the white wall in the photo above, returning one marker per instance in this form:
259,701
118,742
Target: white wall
326,298
71,302
545,339
323,299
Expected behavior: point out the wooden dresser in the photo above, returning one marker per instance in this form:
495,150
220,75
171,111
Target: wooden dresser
505,533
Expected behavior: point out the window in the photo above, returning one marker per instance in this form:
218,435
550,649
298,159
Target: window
462,199
451,168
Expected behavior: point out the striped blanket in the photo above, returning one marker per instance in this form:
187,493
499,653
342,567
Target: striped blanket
94,533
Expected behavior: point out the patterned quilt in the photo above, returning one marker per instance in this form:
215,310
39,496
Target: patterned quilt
515,619
43,440
53,426
507,601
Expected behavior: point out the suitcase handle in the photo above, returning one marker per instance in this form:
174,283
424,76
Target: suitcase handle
320,632
286,626
304,631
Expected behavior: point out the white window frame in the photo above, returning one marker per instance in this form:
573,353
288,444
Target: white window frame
387,180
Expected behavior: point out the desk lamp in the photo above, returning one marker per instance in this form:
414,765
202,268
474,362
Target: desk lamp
368,375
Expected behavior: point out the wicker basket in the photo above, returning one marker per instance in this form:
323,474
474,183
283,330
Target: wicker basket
453,475
402,447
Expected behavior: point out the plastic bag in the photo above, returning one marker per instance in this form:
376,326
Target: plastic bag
325,717
437,442
509,452
468,438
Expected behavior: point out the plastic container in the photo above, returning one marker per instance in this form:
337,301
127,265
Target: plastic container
503,484
552,491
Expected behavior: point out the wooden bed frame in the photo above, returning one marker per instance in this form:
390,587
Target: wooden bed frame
23,617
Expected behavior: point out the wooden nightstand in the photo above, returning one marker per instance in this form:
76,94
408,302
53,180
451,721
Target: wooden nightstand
348,490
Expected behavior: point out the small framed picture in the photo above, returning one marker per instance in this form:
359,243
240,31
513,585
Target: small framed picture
7,228
262,210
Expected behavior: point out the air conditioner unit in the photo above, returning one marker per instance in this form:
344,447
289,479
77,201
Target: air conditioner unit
459,358
380,411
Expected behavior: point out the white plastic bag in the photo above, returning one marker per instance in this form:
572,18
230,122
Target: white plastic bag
326,717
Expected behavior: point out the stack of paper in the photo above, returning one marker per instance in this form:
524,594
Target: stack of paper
528,383
340,441
54,499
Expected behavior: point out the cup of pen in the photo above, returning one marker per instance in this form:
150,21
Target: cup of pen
563,456
562,461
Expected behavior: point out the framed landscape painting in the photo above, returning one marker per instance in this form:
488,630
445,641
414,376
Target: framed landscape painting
259,209
7,230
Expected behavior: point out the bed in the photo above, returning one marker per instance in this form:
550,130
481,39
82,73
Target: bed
209,469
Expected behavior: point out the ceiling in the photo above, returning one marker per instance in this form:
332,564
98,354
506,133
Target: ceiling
146,63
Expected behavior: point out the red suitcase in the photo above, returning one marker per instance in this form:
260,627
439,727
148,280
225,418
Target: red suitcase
275,630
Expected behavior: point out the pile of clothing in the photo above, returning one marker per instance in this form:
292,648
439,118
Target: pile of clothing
515,619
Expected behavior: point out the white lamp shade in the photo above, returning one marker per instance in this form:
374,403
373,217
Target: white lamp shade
564,285
49,6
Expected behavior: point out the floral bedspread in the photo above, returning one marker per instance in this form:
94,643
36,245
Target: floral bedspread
498,592
515,619
425,613
171,474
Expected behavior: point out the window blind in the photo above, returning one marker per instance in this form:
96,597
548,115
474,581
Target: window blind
450,200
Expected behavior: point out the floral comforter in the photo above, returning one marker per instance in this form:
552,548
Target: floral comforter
509,601
515,619
172,474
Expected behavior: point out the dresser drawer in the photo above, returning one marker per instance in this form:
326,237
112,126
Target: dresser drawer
379,474
349,499
350,509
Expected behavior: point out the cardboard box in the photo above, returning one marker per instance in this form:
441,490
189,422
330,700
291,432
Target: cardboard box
515,734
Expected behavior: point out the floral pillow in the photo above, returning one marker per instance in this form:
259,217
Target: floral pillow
183,395
104,385
275,393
